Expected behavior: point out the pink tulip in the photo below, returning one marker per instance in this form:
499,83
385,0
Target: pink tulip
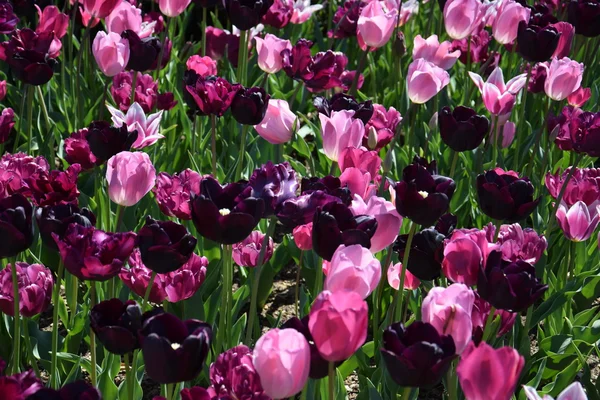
497,381
449,311
111,52
353,268
269,52
339,131
360,158
499,98
358,182
2,90
464,254
567,32
506,129
425,80
52,20
124,16
384,121
579,221
480,314
462,18
517,243
247,252
136,120
130,176
303,236
203,66
279,123
435,52
281,358
35,289
573,392
506,23
578,98
338,324
172,8
564,77
303,11
411,282
375,24
99,8
388,220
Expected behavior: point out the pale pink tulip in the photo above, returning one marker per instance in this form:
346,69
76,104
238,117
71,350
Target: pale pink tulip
567,32
573,392
269,52
388,220
506,129
124,16
111,52
339,131
506,23
279,123
375,24
172,8
499,98
203,66
353,268
579,97
130,176
303,10
462,18
425,80
433,51
136,120
564,77
411,282
579,221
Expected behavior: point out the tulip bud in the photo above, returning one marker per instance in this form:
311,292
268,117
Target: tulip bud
388,161
372,138
130,176
433,122
111,52
353,268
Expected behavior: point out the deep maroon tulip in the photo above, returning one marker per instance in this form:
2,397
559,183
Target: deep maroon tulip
233,376
462,129
421,195
27,54
343,101
301,210
143,52
478,47
329,184
166,55
20,386
7,122
510,286
503,196
541,15
106,141
16,228
92,254
297,61
165,245
246,14
249,105
174,350
426,253
212,95
537,80
279,14
174,192
417,355
78,390
584,15
345,19
274,183
537,44
77,150
578,131
8,19
335,224
57,187
116,325
55,220
219,214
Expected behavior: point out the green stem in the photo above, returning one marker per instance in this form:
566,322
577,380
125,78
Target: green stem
331,380
93,336
72,298
204,17
225,314
241,156
379,293
497,233
30,354
318,278
454,161
21,119
467,69
79,104
406,392
451,384
295,94
119,219
133,376
396,309
495,141
30,96
487,332
133,86
242,56
165,35
148,290
16,319
361,63
55,295
46,123
523,343
297,287
213,144
538,138
517,159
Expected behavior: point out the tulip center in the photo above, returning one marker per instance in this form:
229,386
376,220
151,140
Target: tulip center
175,346
424,194
224,211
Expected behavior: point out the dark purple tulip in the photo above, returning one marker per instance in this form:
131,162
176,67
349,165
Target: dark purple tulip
55,219
165,245
274,183
8,19
301,210
329,184
426,253
462,129
478,47
56,187
279,14
417,355
16,228
27,54
143,52
116,325
541,15
166,55
212,95
578,131
345,19
342,101
246,14
221,216
537,80
421,195
174,350
92,254
297,60
249,105
78,390
446,224
584,15
77,150
105,141
503,196
334,224
19,386
537,44
510,286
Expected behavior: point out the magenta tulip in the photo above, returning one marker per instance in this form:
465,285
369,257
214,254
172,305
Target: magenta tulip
130,176
517,243
338,324
174,192
462,18
99,8
579,221
279,123
353,268
388,220
339,131
497,381
384,121
579,97
464,254
7,122
564,77
361,158
567,32
499,98
375,24
435,52
411,282
52,20
111,52
172,8
358,182
303,236
425,80
247,252
35,289
204,66
506,23
281,358
572,392
269,52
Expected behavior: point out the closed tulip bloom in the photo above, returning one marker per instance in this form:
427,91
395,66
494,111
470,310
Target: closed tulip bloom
35,289
564,77
130,176
388,220
56,218
269,52
506,24
411,282
111,52
498,97
463,17
125,16
435,52
537,44
579,221
464,254
572,392
376,25
116,325
353,268
462,129
282,359
338,324
203,66
16,227
477,383
279,123
172,8
247,252
303,236
99,8
78,390
340,131
7,122
425,80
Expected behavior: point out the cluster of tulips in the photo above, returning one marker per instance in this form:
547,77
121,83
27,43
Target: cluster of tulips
166,162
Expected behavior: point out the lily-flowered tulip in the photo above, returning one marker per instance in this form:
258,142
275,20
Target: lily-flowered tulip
537,44
425,80
353,268
130,177
111,52
375,24
411,282
279,123
340,131
136,120
303,10
172,8
35,289
247,252
269,52
56,219
203,66
116,325
572,392
338,324
579,221
463,17
564,77
16,225
506,24
477,384
174,193
464,254
388,220
462,129
281,358
249,105
499,98
435,52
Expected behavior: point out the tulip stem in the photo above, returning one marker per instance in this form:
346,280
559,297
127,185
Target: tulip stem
331,380
16,319
538,138
72,298
120,213
454,162
241,156
497,233
379,292
552,218
295,93
496,142
225,313
93,336
213,143
27,340
297,289
451,383
467,92
148,290
487,332
47,124
204,17
30,96
396,310
406,392
163,42
55,295
242,57
361,63
517,158
133,86
79,104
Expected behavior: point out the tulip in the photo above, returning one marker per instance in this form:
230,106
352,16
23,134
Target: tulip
462,129
35,289
18,169
345,19
282,360
503,134
111,52
16,227
564,78
99,8
203,66
376,25
274,184
411,282
146,92
463,17
480,315
56,218
233,375
78,390
301,210
28,54
7,122
435,52
52,20
583,185
341,101
328,184
143,53
269,52
22,385
477,384
246,14
506,24
172,8
499,98
417,355
303,10
426,253
8,19
338,324
353,268
279,123
106,141
360,158
567,32
577,131
246,253
584,15
537,44
464,254
572,392
425,80
388,220
385,123
474,47
358,182
579,221
116,325
129,176
125,16
517,243
303,236
173,193
579,97
249,105
212,95
57,187
174,350
340,131
136,121
279,14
